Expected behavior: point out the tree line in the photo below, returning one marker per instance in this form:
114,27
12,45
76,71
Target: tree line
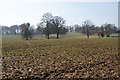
56,25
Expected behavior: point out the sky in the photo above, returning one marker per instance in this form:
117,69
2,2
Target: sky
119,15
14,12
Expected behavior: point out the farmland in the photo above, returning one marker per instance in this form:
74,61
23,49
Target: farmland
61,58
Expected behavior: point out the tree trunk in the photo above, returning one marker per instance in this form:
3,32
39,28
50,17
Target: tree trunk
57,32
48,36
47,30
99,35
26,38
57,35
87,36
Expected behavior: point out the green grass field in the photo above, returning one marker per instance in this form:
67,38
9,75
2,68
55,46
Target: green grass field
71,57
14,38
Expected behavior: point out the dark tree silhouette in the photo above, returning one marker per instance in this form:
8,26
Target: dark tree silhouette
102,35
87,27
108,29
58,22
26,31
46,20
14,29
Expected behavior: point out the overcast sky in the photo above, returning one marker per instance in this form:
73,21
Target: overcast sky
21,11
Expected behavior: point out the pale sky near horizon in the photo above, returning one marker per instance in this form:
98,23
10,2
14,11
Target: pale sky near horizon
18,12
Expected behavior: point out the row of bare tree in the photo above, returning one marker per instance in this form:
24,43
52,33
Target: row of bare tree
56,25
52,24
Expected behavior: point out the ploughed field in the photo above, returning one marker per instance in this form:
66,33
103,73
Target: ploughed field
61,58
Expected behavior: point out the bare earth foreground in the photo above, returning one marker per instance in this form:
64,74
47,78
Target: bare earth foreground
61,58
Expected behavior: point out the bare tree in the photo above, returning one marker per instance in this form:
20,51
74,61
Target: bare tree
5,30
77,28
40,28
58,22
46,20
26,31
14,29
87,24
108,29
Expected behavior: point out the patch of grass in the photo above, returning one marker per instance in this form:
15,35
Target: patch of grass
69,35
